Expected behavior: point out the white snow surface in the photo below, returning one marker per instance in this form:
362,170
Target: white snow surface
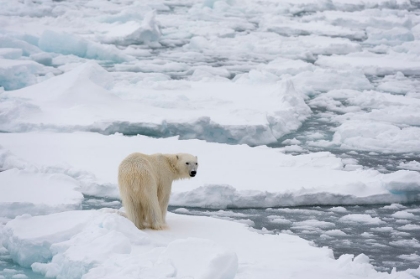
103,244
79,100
211,78
244,177
23,191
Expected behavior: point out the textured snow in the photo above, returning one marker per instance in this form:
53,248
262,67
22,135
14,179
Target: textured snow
103,244
92,160
37,193
79,100
315,78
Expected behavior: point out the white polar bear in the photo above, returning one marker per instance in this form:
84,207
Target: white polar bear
145,183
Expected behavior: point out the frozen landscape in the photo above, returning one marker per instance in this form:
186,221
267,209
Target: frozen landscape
304,115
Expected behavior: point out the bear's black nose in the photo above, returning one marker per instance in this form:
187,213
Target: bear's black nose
193,173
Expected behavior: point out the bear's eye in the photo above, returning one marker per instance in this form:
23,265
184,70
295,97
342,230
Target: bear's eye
187,163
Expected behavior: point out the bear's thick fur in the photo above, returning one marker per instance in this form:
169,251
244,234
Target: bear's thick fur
145,183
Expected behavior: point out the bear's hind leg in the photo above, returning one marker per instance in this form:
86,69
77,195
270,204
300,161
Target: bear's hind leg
135,212
152,210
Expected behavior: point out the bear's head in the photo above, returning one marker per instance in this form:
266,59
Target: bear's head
187,165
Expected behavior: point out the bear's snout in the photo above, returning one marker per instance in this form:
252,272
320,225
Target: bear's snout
193,173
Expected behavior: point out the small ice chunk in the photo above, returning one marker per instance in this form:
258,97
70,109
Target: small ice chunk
282,66
367,235
393,36
394,206
335,233
338,209
42,58
203,72
402,181
15,74
278,220
403,215
412,165
256,77
410,227
293,141
364,219
373,64
377,136
413,243
324,80
132,32
313,223
27,49
10,53
293,148
51,41
382,229
412,257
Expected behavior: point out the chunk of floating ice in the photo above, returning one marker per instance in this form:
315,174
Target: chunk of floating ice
80,98
11,42
15,74
96,244
42,58
382,229
377,136
406,243
335,233
398,84
29,246
313,223
37,193
403,215
10,53
51,41
412,165
243,184
132,32
394,36
362,219
409,227
373,64
324,80
282,66
338,209
394,206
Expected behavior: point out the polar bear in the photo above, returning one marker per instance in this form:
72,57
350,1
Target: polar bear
145,183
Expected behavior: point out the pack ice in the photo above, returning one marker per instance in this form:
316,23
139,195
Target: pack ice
285,104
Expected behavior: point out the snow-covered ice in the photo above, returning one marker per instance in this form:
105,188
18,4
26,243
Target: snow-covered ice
92,160
101,244
37,193
331,86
